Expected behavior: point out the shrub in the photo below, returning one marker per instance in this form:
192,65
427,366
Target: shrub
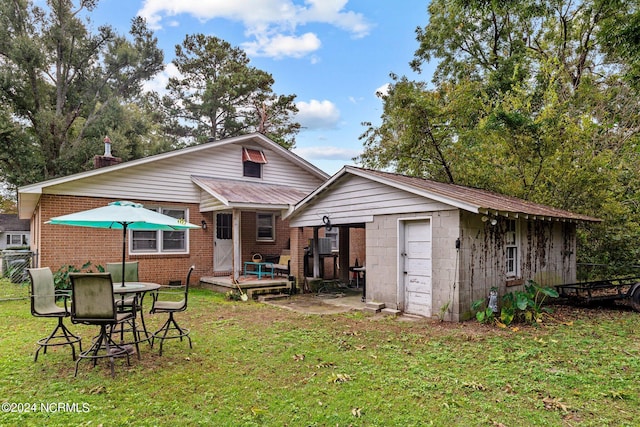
526,306
61,277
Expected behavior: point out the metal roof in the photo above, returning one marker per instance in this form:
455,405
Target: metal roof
242,193
466,198
485,201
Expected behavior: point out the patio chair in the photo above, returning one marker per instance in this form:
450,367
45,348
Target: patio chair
43,304
283,266
130,271
93,304
170,329
125,302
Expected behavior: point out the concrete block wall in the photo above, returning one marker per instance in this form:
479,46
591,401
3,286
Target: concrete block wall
445,226
382,259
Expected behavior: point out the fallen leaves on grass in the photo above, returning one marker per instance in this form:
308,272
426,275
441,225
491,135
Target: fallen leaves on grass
554,404
339,378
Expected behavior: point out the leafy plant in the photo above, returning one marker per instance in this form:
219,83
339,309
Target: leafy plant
484,314
61,276
443,310
526,306
232,295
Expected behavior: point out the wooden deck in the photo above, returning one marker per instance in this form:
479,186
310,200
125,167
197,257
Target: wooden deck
250,284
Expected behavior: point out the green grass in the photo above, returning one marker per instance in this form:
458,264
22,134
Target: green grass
258,365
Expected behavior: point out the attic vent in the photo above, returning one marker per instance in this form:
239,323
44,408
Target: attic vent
255,156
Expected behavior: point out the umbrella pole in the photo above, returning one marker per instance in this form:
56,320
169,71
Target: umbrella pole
124,248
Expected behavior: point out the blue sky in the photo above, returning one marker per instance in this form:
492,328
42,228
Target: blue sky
332,54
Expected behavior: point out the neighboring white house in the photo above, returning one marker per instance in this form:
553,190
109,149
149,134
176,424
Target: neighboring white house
434,248
14,232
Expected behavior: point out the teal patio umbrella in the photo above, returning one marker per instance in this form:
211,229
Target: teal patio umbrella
123,216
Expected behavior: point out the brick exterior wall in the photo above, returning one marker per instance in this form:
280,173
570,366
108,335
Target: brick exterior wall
61,245
251,246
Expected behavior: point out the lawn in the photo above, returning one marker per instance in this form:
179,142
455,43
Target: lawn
254,364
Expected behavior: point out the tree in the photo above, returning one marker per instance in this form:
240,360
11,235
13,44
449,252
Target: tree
57,79
533,99
218,95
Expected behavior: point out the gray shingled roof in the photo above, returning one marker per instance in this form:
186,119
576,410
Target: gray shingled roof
10,222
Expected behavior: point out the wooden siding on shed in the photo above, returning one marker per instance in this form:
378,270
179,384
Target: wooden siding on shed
355,199
170,178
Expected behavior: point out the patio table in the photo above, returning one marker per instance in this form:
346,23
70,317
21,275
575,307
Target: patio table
259,269
139,289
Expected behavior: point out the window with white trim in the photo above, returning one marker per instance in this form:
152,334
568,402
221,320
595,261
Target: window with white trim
512,242
17,239
265,227
159,241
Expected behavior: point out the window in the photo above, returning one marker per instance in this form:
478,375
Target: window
252,170
252,161
161,241
17,239
333,235
265,227
224,226
511,245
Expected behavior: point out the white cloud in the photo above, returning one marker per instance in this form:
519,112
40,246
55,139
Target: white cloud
272,23
383,90
326,153
282,46
160,80
317,114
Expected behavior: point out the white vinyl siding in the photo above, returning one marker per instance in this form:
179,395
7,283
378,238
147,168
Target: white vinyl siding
169,178
356,199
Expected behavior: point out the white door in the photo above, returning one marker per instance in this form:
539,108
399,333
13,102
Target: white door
223,243
417,267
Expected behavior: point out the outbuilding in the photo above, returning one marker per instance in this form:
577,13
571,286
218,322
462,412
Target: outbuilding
433,248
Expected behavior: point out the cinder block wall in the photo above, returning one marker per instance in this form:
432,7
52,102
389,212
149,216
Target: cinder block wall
62,245
382,260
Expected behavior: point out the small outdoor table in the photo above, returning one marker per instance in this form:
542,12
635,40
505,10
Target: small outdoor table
139,289
259,269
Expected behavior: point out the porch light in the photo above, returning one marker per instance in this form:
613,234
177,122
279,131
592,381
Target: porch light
204,224
492,222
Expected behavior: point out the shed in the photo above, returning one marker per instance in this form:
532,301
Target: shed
433,248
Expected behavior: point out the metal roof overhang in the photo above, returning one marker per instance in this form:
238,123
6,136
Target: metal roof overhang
247,195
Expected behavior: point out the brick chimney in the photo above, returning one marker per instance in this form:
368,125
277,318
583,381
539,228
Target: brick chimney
106,159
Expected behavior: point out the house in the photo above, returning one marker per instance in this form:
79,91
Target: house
14,232
238,189
434,248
